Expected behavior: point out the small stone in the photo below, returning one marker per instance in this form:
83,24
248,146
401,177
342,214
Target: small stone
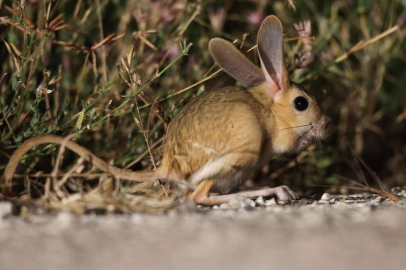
326,197
215,207
248,204
398,190
323,202
362,201
5,209
366,195
63,220
224,206
260,201
270,202
379,199
236,202
355,196
333,200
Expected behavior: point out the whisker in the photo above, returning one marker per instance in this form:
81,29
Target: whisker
292,128
303,134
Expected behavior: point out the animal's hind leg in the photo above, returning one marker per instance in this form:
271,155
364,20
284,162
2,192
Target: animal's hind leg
282,193
201,194
231,167
228,168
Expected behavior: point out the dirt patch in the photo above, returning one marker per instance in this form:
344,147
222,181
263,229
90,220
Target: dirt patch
334,235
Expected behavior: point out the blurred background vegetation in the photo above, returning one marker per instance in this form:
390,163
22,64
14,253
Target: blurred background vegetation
115,72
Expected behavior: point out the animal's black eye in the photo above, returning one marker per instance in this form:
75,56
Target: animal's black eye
300,103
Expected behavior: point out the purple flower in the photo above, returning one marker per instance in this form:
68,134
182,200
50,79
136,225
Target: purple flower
255,18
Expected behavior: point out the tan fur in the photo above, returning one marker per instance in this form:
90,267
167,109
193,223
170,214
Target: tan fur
222,123
245,127
221,137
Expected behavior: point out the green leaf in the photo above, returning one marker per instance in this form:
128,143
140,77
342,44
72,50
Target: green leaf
79,122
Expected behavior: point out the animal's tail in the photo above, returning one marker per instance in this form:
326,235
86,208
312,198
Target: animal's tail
141,176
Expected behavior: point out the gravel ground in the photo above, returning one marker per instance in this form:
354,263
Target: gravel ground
335,233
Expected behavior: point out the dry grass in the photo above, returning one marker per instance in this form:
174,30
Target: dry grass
115,79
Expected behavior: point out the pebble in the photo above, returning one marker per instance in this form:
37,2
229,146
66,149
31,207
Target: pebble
235,203
361,201
240,202
63,220
260,201
378,199
270,202
326,197
248,204
399,190
323,202
5,209
355,196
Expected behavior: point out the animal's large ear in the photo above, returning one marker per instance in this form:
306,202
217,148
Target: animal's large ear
232,61
270,50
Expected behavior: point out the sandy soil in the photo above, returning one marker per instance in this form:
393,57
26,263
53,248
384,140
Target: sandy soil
318,236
